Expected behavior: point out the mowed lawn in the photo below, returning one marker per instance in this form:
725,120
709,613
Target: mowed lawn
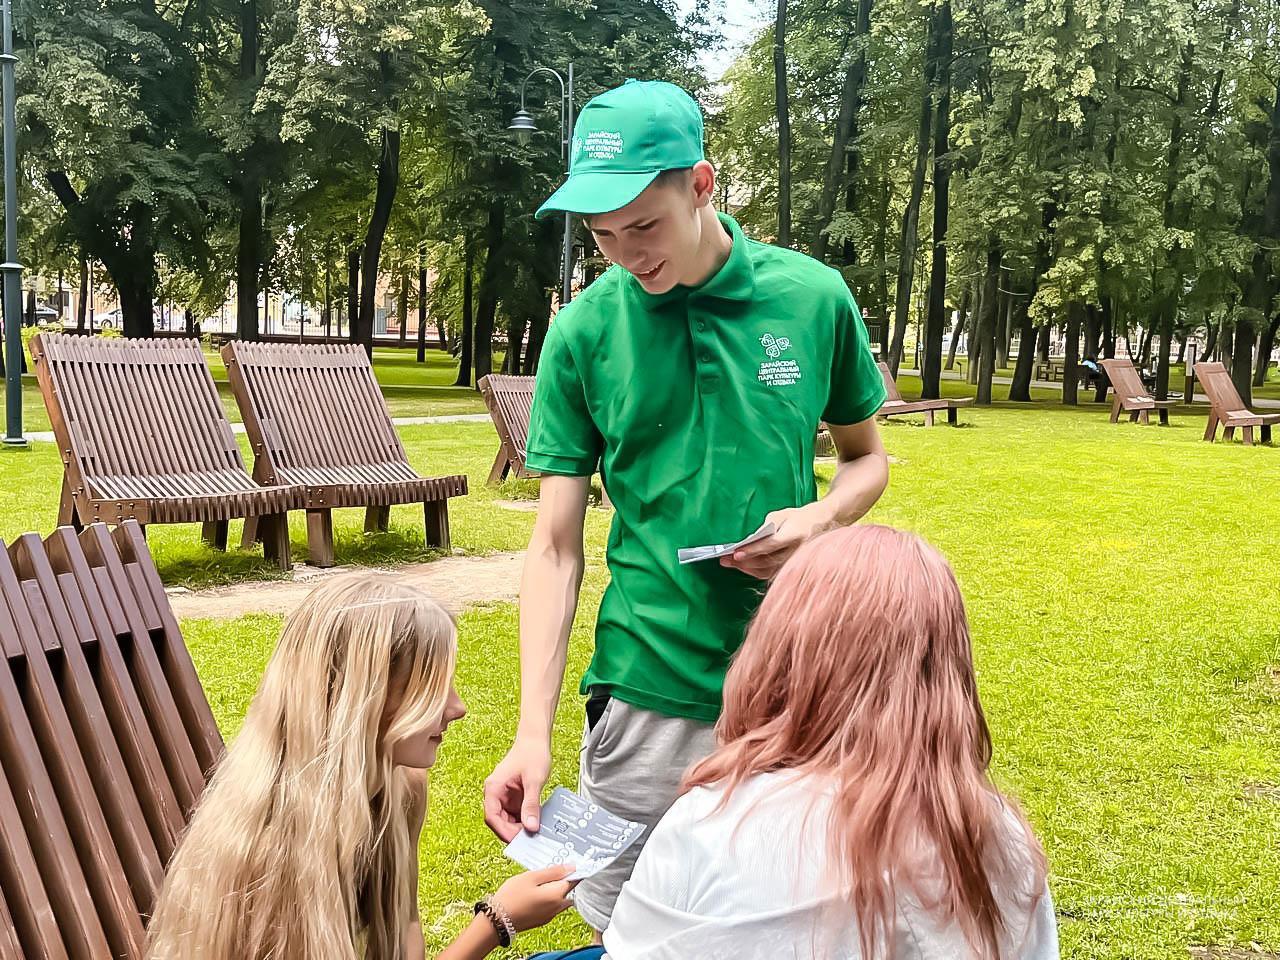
1124,591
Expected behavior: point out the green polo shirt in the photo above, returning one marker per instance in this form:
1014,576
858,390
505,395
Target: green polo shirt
701,406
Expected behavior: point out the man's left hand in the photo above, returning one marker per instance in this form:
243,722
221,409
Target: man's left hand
764,558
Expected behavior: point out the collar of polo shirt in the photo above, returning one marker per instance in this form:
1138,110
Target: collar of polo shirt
735,280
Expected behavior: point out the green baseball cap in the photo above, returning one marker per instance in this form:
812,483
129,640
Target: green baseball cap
623,139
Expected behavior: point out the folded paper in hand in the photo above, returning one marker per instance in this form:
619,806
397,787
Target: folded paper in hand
575,831
695,554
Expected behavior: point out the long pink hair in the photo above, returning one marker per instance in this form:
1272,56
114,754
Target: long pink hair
858,667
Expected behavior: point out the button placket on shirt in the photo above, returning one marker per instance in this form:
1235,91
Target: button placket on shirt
708,375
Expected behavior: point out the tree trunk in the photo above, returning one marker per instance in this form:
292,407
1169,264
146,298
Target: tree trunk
537,335
882,272
783,109
1262,286
1264,351
129,253
958,329
911,215
422,303
353,294
1242,360
488,307
468,276
402,307
843,161
975,342
1004,332
1108,344
136,317
1211,341
1144,347
249,246
986,329
1020,388
935,320
82,307
422,309
1092,331
384,198
1070,387
1226,340
328,292
1043,341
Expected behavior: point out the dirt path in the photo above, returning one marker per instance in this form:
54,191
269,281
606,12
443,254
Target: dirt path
457,582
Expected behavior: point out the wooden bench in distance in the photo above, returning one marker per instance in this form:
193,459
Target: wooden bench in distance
1227,408
510,403
316,419
143,436
1131,394
106,742
894,405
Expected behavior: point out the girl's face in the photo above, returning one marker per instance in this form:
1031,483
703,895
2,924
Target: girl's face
418,749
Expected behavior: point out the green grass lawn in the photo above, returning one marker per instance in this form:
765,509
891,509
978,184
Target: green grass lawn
1122,585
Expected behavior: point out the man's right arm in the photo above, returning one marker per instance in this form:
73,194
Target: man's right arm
553,569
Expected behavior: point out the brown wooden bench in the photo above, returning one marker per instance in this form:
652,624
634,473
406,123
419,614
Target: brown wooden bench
106,742
1226,407
316,419
1131,394
510,402
143,436
894,405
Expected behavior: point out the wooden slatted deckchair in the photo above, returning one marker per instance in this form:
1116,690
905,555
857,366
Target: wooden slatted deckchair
1228,409
106,742
143,436
316,419
894,405
1131,394
510,403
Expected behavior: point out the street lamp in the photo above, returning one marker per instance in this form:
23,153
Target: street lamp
11,268
523,126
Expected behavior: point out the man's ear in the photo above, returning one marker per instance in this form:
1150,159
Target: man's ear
704,183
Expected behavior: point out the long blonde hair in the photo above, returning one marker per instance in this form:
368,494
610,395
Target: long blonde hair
858,667
301,845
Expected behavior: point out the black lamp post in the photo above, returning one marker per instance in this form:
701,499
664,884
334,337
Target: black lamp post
523,127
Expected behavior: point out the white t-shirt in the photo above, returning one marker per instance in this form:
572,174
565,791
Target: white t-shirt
753,880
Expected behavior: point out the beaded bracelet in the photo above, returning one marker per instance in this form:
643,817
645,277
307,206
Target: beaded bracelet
502,925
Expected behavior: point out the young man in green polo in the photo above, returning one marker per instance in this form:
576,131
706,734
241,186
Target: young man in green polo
694,372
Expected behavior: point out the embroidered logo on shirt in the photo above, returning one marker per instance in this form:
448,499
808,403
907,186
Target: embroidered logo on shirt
776,372
773,347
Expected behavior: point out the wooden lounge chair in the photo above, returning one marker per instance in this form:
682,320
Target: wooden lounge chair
510,401
1131,394
143,436
106,742
1226,407
316,419
894,405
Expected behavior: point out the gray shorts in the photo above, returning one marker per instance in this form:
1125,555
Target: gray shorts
631,764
